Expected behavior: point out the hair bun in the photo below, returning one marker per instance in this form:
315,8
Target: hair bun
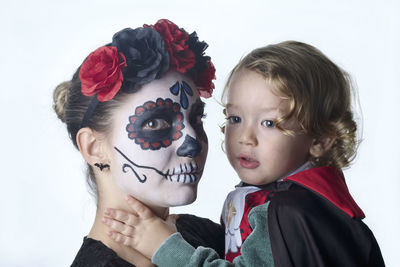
60,95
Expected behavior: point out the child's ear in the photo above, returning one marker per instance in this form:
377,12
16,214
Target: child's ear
90,145
320,146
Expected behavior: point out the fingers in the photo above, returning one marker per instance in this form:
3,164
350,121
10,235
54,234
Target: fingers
122,216
140,209
119,227
120,238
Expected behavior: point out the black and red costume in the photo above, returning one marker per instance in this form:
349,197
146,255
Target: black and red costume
307,219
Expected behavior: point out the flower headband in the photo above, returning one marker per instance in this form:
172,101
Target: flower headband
139,56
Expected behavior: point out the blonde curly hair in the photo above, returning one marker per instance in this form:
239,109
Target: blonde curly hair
318,91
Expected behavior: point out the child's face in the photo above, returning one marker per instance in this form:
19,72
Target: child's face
259,152
158,144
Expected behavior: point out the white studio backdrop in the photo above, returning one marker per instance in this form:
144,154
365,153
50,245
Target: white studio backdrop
44,204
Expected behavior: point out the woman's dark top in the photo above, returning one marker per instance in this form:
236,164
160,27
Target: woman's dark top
195,230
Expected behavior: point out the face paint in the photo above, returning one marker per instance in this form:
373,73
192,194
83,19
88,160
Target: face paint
183,88
188,171
158,147
190,148
156,124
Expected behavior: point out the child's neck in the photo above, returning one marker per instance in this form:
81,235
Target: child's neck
303,167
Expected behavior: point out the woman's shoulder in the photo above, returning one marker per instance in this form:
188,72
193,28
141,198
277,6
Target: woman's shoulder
199,231
95,253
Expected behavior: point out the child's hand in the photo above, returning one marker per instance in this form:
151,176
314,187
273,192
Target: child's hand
141,229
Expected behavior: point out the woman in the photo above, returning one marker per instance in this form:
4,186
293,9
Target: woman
133,110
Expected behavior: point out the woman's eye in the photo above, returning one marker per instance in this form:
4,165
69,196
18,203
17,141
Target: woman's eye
268,123
156,124
233,119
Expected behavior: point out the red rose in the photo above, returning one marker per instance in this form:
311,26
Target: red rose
204,80
101,73
181,57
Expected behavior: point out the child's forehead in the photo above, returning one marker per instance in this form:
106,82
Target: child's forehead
249,88
243,76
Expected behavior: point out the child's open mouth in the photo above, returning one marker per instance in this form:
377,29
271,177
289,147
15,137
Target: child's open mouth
248,163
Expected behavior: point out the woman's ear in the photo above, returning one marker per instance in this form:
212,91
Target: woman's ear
91,146
320,146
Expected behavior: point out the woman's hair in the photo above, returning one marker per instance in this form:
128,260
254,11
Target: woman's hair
71,105
318,91
135,57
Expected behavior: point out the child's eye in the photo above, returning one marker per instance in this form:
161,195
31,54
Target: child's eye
268,123
155,124
233,119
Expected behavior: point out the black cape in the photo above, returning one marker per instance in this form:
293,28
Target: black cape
314,221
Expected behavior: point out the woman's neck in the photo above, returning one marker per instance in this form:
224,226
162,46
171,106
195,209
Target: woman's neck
99,231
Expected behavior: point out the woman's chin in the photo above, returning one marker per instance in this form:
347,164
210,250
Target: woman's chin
184,197
183,202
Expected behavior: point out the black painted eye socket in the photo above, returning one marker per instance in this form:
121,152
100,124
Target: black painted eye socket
156,124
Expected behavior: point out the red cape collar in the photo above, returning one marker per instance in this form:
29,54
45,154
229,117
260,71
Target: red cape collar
329,182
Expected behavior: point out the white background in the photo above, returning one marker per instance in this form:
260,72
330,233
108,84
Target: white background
44,204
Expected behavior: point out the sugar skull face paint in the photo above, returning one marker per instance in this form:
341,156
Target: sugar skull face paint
156,124
158,147
184,89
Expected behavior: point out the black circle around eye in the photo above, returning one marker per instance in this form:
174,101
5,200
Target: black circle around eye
156,124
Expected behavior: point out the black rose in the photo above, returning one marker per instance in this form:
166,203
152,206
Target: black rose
198,49
145,53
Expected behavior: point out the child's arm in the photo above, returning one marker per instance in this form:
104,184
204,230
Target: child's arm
157,239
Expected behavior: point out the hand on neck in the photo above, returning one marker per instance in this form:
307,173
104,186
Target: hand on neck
111,196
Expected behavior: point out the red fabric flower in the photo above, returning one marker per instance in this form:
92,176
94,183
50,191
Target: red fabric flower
101,73
181,57
203,81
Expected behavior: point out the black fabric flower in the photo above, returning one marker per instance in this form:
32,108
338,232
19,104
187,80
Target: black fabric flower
145,53
198,49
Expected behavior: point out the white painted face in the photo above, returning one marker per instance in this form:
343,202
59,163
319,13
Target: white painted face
158,143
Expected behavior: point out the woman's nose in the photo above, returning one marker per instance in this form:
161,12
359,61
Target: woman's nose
248,137
190,147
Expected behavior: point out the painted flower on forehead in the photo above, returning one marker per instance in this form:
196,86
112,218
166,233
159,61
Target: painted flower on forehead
101,73
181,57
145,54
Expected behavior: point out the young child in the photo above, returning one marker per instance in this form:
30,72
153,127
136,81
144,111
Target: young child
289,131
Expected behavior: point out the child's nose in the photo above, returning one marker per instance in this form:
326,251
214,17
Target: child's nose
248,137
